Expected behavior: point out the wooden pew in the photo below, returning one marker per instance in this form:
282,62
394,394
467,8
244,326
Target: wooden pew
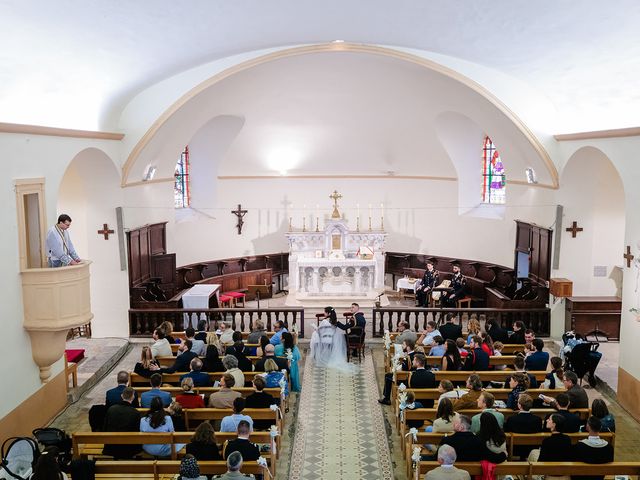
168,361
158,469
175,346
245,391
174,378
194,416
90,443
509,348
474,468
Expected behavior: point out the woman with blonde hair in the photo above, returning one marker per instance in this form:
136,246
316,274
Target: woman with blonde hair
473,328
188,398
147,366
167,328
273,376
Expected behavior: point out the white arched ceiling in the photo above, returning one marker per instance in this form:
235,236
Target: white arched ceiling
336,113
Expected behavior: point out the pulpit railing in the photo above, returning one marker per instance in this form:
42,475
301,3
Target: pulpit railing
388,318
142,322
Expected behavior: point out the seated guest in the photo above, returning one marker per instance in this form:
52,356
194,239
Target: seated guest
231,367
557,447
147,366
601,412
203,443
446,458
279,329
273,376
238,351
188,398
224,397
234,465
257,332
428,336
148,396
485,403
161,346
430,280
477,360
157,421
529,337
553,379
197,346
167,329
473,328
518,365
438,349
200,379
420,377
445,417
177,417
263,342
460,343
470,448
593,449
230,422
487,344
201,334
519,383
412,404
538,360
517,337
470,399
405,333
572,421
122,417
183,360
458,288
498,334
451,359
358,316
288,345
46,466
447,390
249,450
269,353
523,422
492,435
577,395
225,333
497,352
407,362
450,330
260,399
114,395
189,469
212,362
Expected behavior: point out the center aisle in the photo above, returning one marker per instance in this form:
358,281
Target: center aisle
340,431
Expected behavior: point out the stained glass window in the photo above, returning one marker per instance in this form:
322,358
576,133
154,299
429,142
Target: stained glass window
493,177
181,190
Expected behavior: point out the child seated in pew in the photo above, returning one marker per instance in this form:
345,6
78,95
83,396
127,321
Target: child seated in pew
553,379
497,352
411,404
447,390
460,343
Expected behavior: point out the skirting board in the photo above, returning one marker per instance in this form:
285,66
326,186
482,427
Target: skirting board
35,411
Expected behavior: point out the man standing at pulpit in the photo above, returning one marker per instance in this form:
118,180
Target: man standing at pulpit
458,288
60,250
430,280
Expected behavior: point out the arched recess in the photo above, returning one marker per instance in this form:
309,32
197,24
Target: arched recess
90,192
592,194
178,119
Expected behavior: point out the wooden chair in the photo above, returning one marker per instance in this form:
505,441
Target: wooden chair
355,342
71,370
464,302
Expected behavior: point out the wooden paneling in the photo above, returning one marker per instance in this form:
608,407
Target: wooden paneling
157,239
586,315
629,392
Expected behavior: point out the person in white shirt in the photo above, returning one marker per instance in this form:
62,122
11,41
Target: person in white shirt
428,336
60,250
226,334
197,346
161,347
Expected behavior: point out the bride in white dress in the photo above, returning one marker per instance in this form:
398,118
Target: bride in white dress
329,343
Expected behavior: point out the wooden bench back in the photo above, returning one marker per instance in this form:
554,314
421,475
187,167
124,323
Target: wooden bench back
498,393
245,391
174,378
462,375
155,468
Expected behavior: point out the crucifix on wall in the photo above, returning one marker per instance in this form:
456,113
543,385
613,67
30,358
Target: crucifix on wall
574,229
105,231
240,214
628,256
335,196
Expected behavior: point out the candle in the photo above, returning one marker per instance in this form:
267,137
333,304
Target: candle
370,210
358,207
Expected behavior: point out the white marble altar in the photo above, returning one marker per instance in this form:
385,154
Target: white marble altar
336,262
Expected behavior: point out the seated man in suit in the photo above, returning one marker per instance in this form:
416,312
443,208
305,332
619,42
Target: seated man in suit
358,316
183,360
114,395
420,377
249,450
146,397
430,279
458,288
407,364
523,422
200,379
451,331
537,360
572,422
446,458
122,417
269,353
477,360
468,446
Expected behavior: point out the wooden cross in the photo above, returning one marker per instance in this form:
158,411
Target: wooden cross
627,256
574,229
335,196
240,214
105,231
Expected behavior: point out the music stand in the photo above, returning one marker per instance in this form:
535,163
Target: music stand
257,291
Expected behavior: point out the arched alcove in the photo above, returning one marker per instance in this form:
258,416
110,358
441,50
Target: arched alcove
90,192
592,194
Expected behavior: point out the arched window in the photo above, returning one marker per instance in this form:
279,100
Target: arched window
181,189
493,177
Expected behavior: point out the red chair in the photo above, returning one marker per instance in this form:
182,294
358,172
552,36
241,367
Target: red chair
237,296
225,301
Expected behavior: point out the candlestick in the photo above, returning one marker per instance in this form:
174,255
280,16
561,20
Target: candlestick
289,223
317,224
369,222
382,216
370,210
304,224
358,208
357,223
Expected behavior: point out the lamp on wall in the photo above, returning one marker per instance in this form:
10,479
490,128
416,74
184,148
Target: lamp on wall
531,175
149,173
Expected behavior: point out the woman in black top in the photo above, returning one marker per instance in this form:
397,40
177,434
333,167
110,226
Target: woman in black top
517,337
147,366
203,443
557,447
451,359
212,362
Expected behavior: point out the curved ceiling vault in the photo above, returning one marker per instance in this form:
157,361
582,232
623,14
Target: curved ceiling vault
353,110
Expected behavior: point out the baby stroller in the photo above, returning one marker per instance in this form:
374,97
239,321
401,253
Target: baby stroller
20,454
583,359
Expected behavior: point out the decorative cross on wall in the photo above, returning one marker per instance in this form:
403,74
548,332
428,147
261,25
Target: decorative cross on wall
574,229
335,196
105,231
628,256
240,214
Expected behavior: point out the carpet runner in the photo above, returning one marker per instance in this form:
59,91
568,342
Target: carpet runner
340,431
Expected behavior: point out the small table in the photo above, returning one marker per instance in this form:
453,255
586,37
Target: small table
199,296
406,284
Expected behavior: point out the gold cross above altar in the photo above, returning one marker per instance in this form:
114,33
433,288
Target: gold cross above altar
335,196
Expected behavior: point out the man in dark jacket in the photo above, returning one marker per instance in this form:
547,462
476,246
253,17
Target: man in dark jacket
497,333
477,360
420,377
122,417
523,422
114,395
450,331
183,360
593,449
469,447
269,353
249,450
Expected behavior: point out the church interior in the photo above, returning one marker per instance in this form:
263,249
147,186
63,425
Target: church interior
272,158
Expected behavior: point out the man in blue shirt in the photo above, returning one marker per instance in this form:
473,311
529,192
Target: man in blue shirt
538,360
279,328
230,422
146,397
